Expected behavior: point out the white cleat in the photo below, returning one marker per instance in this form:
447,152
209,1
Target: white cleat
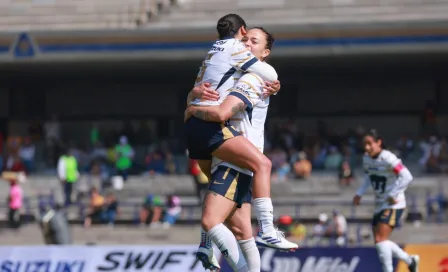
413,267
207,257
275,240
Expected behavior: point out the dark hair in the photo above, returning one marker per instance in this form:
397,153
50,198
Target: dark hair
376,136
269,37
229,25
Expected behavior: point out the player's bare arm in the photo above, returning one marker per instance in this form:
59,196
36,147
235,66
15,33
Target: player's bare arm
221,113
204,92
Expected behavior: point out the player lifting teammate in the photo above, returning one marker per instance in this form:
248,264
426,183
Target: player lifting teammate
205,139
389,179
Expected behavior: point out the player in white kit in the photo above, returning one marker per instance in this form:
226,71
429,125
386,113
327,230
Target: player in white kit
389,178
247,107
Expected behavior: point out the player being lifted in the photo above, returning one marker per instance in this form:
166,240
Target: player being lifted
389,179
226,62
246,107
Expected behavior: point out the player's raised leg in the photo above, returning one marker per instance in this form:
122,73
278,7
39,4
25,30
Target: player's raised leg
241,152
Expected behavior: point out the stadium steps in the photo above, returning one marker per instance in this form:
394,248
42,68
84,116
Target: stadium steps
77,14
311,12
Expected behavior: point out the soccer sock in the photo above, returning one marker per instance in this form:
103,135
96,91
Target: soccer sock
251,254
385,254
206,241
226,243
265,214
398,252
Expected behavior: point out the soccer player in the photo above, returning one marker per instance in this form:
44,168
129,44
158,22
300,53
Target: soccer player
205,139
230,186
389,179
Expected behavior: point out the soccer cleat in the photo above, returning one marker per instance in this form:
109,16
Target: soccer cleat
207,257
275,240
413,267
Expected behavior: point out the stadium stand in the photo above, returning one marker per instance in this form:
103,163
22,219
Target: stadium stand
17,15
200,12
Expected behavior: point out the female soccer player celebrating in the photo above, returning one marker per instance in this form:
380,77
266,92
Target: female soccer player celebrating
389,179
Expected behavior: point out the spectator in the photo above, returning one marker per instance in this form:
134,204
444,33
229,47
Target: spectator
151,212
431,151
173,210
443,156
320,229
95,207
302,167
170,164
334,159
124,155
52,136
337,228
200,179
68,174
155,164
404,146
110,210
15,200
14,164
345,174
26,154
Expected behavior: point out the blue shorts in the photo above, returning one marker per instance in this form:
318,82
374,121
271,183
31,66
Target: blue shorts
232,185
391,217
203,138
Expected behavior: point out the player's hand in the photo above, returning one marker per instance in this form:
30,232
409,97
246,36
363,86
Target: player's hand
204,92
357,200
391,201
271,88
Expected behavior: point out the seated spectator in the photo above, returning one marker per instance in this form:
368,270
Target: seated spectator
404,146
291,228
345,174
95,209
170,164
110,210
337,228
151,212
155,164
302,167
443,156
333,159
320,229
26,154
172,212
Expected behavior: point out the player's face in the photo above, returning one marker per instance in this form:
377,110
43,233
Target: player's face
255,41
371,146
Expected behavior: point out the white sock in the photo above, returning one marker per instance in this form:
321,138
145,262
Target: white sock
385,254
251,254
226,243
206,241
265,214
399,253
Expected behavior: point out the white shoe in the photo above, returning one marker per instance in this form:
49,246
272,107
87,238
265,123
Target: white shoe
207,257
413,267
275,240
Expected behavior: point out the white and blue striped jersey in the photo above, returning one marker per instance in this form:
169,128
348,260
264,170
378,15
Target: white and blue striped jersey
249,122
226,62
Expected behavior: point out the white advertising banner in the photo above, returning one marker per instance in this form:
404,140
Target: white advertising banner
169,258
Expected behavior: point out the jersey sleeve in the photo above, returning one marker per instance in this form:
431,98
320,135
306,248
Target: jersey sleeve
394,162
242,59
249,89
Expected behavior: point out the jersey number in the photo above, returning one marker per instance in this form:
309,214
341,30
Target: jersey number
378,183
203,68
